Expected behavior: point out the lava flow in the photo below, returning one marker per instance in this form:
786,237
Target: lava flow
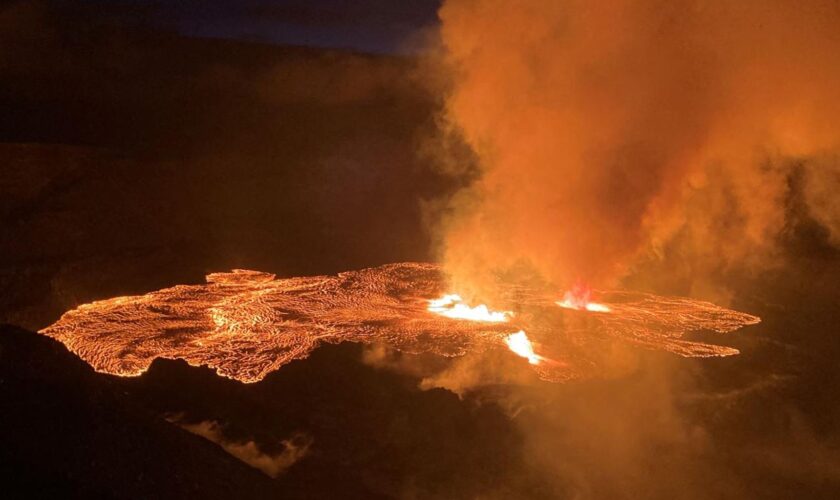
246,324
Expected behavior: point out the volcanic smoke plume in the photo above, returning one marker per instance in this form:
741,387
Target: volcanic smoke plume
613,132
246,324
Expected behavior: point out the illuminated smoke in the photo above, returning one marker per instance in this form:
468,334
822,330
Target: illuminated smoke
612,133
246,324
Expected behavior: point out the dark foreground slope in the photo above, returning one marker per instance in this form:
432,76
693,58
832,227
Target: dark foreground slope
67,431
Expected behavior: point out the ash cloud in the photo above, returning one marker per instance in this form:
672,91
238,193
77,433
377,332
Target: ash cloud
616,135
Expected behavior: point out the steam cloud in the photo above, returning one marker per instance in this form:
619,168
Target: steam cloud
273,465
620,139
610,134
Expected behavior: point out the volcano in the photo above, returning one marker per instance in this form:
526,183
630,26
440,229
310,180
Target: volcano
515,271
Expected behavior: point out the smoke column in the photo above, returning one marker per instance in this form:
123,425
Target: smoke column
614,132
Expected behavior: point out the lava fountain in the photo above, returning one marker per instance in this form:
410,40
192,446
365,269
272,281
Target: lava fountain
451,306
521,346
580,298
246,324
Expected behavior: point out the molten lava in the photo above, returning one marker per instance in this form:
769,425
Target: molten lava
246,324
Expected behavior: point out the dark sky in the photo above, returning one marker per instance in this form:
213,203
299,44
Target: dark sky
365,25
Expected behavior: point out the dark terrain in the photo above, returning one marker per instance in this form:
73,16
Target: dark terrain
372,431
133,158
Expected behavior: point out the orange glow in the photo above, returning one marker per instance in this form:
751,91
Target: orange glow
521,346
450,305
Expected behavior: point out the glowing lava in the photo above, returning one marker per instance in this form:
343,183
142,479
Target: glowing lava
579,297
518,343
451,306
246,324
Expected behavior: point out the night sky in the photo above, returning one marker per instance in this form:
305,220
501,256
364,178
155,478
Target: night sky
380,26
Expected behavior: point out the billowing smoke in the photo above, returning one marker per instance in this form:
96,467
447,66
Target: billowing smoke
655,142
614,133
